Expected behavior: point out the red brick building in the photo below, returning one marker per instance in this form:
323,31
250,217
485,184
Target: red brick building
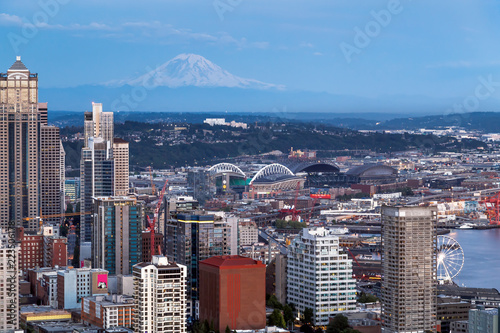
233,292
42,250
146,245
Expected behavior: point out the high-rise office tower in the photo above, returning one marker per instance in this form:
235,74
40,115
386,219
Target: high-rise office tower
233,293
409,269
121,156
320,275
19,147
98,124
159,296
117,234
96,180
193,238
9,282
51,162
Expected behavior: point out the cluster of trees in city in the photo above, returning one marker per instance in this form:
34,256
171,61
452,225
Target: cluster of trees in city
283,224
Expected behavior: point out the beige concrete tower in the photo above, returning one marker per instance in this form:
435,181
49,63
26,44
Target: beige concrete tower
409,269
121,156
98,124
19,148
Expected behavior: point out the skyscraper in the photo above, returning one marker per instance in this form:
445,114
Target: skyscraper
98,124
96,180
19,146
121,156
117,234
233,292
51,162
320,275
159,296
193,238
409,269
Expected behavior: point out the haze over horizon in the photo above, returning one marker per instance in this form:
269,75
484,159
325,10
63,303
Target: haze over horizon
383,56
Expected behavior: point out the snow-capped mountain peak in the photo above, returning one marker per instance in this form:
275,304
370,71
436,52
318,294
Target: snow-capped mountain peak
194,70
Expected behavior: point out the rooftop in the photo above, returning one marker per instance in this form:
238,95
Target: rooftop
18,66
231,261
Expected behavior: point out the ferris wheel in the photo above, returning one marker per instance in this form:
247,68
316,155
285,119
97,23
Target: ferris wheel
450,258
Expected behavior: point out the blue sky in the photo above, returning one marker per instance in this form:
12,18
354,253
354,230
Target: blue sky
429,49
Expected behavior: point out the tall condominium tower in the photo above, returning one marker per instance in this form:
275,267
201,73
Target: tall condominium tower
193,238
51,173
409,269
320,275
19,147
117,234
159,296
98,124
121,156
96,179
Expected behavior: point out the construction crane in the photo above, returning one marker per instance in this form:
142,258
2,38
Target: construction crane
153,190
492,205
293,210
41,217
312,208
155,218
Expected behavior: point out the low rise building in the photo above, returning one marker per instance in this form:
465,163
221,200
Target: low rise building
108,311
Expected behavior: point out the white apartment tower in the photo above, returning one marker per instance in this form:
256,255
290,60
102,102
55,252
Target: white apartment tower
320,275
159,296
409,269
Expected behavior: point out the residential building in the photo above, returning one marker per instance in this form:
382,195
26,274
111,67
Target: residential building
19,147
248,233
483,320
96,180
74,284
233,292
408,269
121,157
159,296
51,184
44,249
117,234
320,275
108,311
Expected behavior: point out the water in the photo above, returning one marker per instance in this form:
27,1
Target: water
482,257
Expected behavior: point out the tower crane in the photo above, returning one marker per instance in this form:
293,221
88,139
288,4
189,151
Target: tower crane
155,218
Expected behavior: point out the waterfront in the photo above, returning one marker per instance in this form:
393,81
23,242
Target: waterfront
482,258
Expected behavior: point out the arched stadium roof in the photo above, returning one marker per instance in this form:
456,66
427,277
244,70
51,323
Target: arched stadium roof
312,166
272,171
226,168
372,170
